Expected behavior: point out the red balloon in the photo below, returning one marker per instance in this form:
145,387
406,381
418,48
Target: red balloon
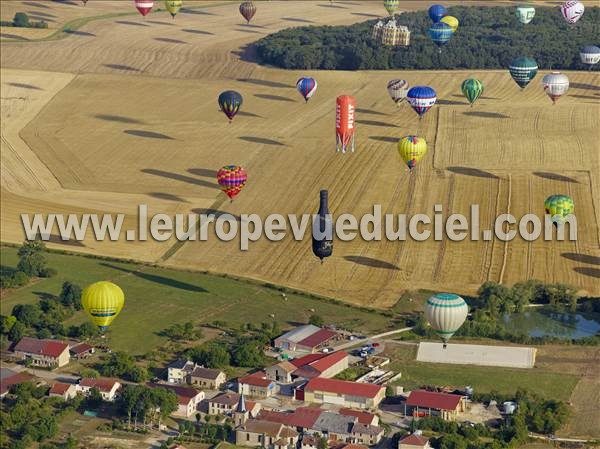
345,107
247,9
232,179
144,6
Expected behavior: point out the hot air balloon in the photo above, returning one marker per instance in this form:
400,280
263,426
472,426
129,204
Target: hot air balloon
144,6
451,21
173,6
559,207
440,33
446,313
555,85
523,70
397,90
322,234
572,10
232,179
102,301
472,88
421,99
391,6
230,102
590,55
411,150
345,107
436,12
247,10
307,86
525,14
84,2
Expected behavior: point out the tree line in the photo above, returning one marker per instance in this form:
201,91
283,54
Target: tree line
487,38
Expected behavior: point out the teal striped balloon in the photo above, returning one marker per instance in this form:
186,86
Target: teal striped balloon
523,70
446,312
472,88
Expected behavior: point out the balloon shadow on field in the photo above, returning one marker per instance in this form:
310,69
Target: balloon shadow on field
13,36
584,86
40,13
451,103
158,279
36,5
369,111
584,97
377,123
126,68
293,19
80,33
261,140
167,197
248,31
370,262
583,258
127,22
249,114
331,5
24,86
168,40
178,177
190,30
364,14
196,11
147,134
467,171
265,83
58,241
203,172
384,139
484,114
157,22
118,118
34,16
586,271
247,53
555,177
273,97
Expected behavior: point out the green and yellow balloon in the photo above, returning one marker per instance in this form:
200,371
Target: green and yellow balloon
102,301
472,88
391,6
173,6
412,149
451,21
559,207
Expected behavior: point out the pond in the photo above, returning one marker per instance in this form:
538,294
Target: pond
543,322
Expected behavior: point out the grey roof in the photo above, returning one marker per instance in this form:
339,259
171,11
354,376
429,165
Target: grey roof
241,407
5,372
300,333
179,364
205,373
366,429
334,423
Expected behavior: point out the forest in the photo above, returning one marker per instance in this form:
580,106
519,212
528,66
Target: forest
487,38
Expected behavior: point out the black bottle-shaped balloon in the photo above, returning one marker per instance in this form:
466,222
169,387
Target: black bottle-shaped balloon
322,232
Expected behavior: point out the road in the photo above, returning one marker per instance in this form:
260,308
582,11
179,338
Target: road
43,374
370,339
566,440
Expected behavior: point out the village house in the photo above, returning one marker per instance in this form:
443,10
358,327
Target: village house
333,426
226,403
257,385
340,392
43,353
108,388
81,351
366,434
8,378
422,403
188,398
309,366
179,370
63,390
363,417
414,441
265,434
211,379
307,338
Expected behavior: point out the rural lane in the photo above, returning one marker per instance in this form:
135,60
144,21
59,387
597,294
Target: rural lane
370,339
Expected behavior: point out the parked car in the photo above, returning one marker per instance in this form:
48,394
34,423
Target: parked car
375,345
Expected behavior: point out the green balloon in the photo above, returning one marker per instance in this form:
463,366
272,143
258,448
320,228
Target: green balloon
472,89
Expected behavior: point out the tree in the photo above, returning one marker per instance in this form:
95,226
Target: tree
212,355
46,428
21,20
28,314
248,355
316,320
94,399
70,295
6,323
323,443
17,332
31,258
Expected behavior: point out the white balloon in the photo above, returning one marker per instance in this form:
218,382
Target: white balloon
446,313
572,10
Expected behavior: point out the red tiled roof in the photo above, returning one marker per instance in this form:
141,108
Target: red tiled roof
318,338
257,379
306,359
343,387
415,440
329,360
432,399
81,348
301,417
102,383
363,417
184,394
313,365
15,379
50,348
59,388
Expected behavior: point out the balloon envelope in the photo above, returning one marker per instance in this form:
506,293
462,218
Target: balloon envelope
391,6
440,33
572,10
559,207
144,6
247,10
523,70
397,90
446,313
555,85
472,88
590,55
436,12
307,86
345,107
411,150
232,179
173,6
525,14
421,99
230,102
102,301
450,21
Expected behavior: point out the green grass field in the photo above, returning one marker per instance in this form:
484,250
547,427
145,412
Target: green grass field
155,298
483,379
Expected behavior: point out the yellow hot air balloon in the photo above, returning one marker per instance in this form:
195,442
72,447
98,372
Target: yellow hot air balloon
173,6
451,21
412,149
102,301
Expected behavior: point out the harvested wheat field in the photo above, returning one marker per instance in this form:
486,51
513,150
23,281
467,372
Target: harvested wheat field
125,113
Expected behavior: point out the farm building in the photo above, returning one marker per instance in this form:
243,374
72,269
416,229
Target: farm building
431,403
341,392
81,350
268,435
257,385
108,388
8,378
414,441
63,390
363,417
44,353
188,398
208,378
306,338
309,366
226,403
